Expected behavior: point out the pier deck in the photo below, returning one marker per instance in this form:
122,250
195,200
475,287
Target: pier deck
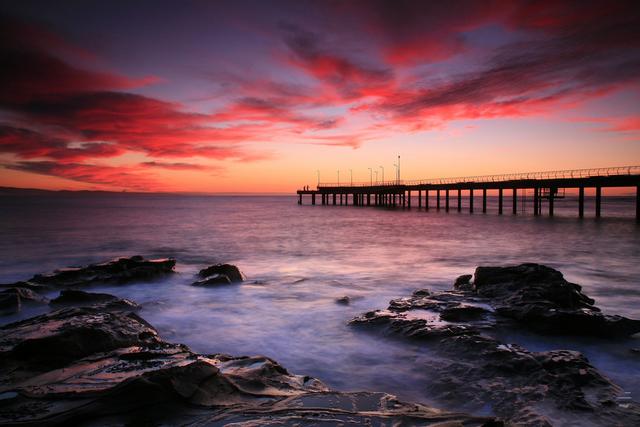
546,187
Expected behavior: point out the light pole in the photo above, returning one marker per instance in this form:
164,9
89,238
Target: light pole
318,177
376,172
382,167
370,176
397,169
338,178
351,176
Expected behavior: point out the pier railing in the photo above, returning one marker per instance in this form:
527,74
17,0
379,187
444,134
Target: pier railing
559,174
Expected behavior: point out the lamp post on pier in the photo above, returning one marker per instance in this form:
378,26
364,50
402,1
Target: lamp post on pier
370,176
318,177
338,178
382,167
351,176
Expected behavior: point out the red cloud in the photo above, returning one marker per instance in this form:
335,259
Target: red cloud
107,176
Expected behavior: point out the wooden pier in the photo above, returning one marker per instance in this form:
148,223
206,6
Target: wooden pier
546,186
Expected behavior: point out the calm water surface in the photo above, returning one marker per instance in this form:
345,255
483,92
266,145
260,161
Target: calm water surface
299,259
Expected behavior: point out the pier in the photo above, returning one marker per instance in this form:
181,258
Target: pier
546,187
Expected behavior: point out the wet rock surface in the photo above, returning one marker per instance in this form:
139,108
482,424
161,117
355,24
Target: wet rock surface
12,299
120,270
521,386
232,272
540,298
90,366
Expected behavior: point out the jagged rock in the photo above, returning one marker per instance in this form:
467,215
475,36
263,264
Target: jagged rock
231,271
345,300
215,280
12,299
56,339
74,298
540,298
120,270
463,283
86,365
524,387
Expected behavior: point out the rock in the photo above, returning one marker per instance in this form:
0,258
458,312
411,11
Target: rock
120,270
58,338
231,271
541,299
12,299
345,300
475,369
86,365
214,280
74,298
463,283
463,313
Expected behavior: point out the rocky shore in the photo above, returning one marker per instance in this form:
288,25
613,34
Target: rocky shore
93,360
523,387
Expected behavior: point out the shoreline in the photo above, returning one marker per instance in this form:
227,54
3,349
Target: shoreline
67,281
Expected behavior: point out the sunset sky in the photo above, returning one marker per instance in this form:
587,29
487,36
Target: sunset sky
256,96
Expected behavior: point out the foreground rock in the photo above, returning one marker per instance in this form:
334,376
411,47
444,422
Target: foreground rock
219,274
523,387
12,299
85,365
120,270
540,298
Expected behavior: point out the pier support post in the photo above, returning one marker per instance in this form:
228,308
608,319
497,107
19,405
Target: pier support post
515,201
459,200
598,201
446,200
426,200
536,200
368,199
340,199
484,200
638,203
471,200
500,201
581,202
438,199
300,199
313,198
419,199
552,196
409,199
334,199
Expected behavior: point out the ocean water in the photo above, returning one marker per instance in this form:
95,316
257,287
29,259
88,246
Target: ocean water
299,259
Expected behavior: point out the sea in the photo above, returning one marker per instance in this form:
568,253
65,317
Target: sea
298,259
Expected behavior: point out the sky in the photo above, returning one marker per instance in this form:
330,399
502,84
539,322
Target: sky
267,96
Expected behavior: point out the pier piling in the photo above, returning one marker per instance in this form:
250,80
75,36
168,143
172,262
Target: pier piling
484,200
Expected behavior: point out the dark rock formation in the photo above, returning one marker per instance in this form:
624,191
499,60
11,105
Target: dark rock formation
75,298
231,271
86,365
12,299
121,270
345,300
58,338
524,387
541,299
463,283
